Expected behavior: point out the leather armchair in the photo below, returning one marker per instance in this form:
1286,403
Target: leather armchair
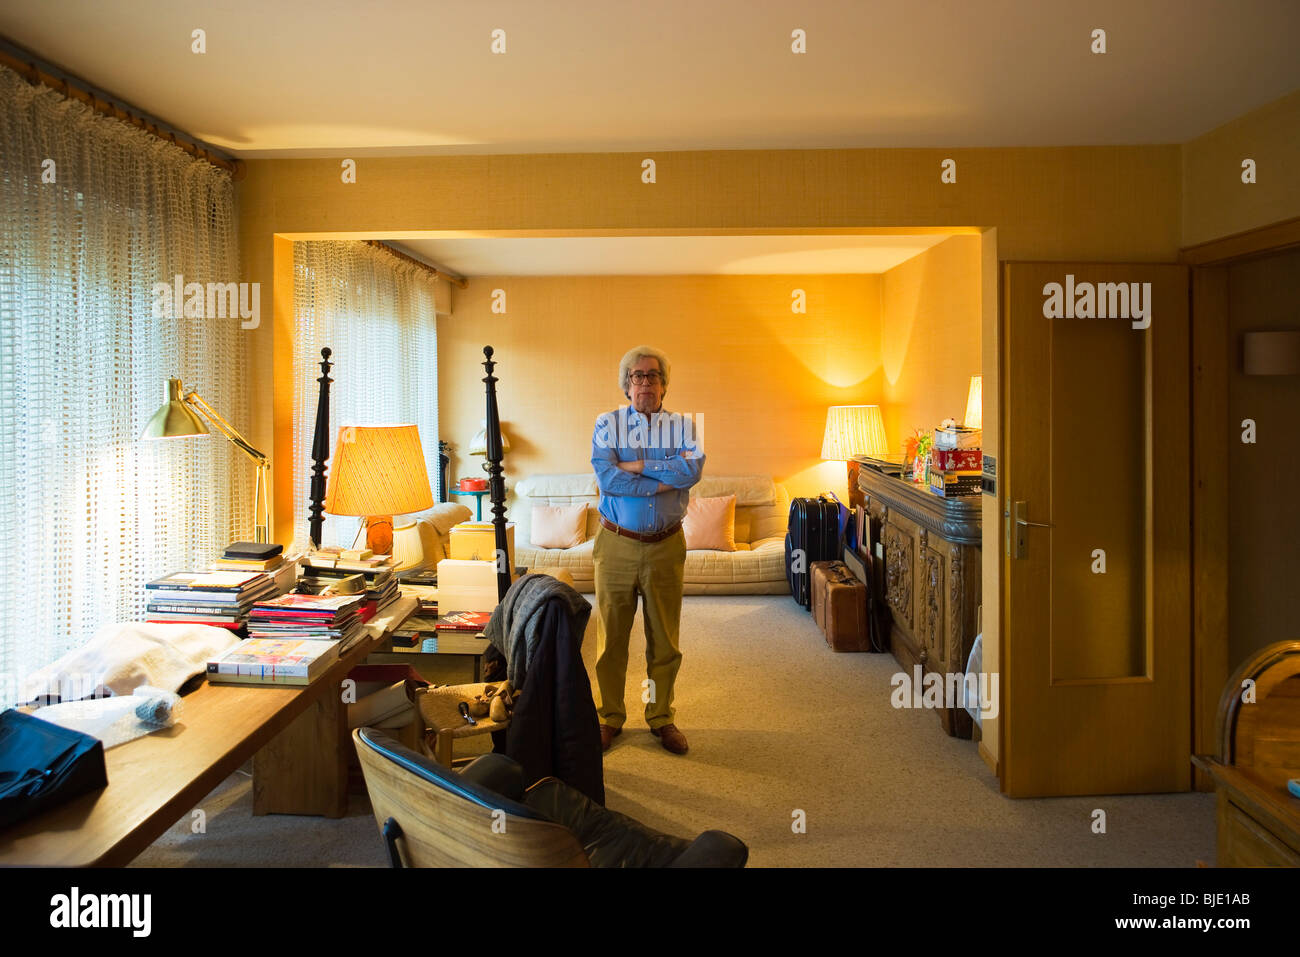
482,816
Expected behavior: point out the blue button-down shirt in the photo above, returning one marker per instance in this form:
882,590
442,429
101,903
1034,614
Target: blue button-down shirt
670,447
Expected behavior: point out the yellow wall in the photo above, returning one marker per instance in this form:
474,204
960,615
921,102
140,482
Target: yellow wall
757,376
1117,203
1216,202
930,337
1095,203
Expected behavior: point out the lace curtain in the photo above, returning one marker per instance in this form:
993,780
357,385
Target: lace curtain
378,314
93,213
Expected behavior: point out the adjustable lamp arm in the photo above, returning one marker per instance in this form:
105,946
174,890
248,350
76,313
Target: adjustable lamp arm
261,500
224,427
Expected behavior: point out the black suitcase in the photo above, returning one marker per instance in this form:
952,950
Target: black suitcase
813,536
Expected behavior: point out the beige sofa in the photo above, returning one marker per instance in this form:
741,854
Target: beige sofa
757,567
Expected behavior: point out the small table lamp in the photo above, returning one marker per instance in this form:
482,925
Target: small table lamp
854,430
478,444
975,404
178,417
378,471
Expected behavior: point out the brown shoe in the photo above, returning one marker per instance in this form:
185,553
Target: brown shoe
607,736
672,739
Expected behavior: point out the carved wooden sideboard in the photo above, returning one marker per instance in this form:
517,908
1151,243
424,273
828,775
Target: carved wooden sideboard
931,551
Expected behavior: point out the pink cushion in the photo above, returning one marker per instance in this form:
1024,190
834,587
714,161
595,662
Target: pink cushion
559,526
711,523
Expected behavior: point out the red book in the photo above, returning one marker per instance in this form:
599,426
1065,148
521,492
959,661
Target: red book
956,460
469,621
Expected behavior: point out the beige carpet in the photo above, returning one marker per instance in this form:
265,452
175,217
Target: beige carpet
777,723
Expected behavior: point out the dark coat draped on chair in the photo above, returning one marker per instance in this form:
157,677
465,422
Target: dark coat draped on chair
554,729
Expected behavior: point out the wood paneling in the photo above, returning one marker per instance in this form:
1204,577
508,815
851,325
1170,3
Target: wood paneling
1211,432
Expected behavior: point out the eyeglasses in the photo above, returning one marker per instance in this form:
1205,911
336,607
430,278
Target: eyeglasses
654,378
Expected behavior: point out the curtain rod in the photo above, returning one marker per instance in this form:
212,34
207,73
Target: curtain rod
35,70
459,281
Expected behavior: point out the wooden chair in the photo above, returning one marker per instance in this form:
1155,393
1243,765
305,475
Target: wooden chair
439,714
1259,751
454,822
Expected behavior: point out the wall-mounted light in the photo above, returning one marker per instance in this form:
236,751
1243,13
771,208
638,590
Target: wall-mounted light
1271,353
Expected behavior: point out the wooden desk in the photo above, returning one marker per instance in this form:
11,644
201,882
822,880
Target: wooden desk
155,780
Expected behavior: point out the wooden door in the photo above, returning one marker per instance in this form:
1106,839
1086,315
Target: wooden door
1097,627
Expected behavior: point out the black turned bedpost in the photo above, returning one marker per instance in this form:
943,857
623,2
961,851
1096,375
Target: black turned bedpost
320,452
496,484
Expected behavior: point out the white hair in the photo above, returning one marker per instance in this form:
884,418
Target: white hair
634,356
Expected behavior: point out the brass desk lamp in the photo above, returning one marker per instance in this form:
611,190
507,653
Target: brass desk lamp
176,418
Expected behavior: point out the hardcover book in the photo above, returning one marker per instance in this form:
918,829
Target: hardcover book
467,621
273,661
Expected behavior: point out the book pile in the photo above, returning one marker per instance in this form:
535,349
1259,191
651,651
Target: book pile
207,598
251,557
264,557
378,572
956,462
280,661
334,618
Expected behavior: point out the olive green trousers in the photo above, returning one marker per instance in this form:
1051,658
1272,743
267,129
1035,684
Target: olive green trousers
626,569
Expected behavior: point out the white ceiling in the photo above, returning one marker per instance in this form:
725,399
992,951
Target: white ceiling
304,77
671,255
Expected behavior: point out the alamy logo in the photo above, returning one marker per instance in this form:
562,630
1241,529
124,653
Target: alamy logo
953,690
629,429
102,910
1103,300
217,300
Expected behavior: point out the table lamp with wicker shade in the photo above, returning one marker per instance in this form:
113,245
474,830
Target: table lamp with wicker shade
378,471
854,430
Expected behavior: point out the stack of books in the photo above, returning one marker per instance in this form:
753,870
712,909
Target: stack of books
265,557
956,462
334,618
208,598
273,661
380,578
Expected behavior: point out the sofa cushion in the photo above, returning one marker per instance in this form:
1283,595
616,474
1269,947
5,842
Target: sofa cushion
558,526
710,523
749,489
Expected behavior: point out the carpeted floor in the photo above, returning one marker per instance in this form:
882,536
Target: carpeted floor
777,724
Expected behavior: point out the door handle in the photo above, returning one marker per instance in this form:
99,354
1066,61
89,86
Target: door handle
1023,523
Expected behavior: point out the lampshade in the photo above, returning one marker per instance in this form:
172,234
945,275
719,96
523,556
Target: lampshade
478,444
174,418
378,470
854,430
975,404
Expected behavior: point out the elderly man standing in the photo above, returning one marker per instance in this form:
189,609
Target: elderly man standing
645,460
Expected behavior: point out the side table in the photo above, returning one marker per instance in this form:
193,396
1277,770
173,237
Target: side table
478,501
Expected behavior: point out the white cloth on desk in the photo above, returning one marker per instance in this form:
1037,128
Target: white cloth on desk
122,657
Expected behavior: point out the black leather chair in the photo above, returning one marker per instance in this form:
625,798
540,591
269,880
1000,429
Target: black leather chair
482,816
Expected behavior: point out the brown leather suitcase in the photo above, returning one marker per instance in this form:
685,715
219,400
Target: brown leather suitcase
839,606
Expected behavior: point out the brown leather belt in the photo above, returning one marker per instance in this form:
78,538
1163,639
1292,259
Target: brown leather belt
637,536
